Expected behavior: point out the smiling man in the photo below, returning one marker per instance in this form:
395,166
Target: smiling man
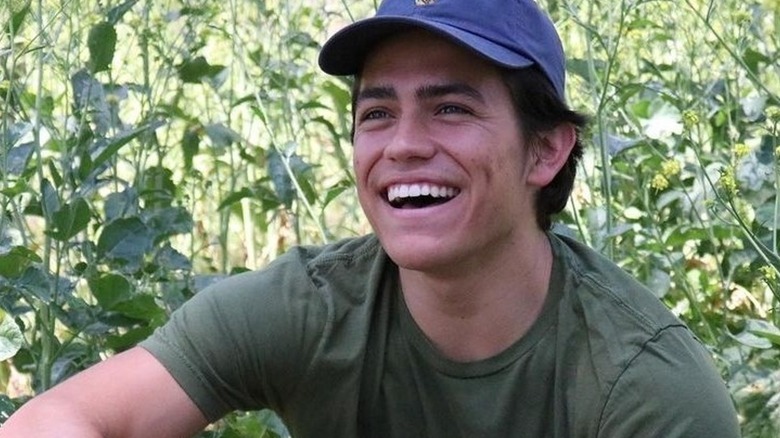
463,315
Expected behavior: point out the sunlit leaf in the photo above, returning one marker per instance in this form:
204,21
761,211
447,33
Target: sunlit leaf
220,135
125,240
122,139
71,219
753,59
141,307
19,10
101,42
90,98
171,259
11,339
110,289
764,329
283,184
50,200
37,282
14,261
168,221
190,144
121,204
195,70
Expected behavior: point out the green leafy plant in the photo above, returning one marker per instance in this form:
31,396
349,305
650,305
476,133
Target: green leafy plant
149,148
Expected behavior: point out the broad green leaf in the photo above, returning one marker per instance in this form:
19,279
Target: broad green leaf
283,184
121,204
122,139
751,340
101,42
683,234
50,200
221,136
234,197
11,339
659,282
110,289
282,180
141,307
90,98
335,191
195,70
55,174
766,216
616,145
341,97
14,262
70,219
37,282
190,144
764,329
168,221
129,338
15,132
17,159
157,188
19,10
170,259
125,240
753,58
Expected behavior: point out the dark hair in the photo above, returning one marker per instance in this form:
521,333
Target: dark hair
539,110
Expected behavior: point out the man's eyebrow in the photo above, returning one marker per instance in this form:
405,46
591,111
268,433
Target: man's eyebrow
378,92
424,92
440,90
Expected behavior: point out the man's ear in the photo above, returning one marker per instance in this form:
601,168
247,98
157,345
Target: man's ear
550,153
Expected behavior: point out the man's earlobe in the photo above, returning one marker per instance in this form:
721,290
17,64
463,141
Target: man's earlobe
551,153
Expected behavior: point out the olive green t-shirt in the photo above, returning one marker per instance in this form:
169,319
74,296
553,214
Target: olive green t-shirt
323,337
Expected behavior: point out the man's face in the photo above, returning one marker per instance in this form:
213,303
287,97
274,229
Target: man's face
440,161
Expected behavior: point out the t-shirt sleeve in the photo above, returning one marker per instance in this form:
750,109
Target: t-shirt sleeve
670,389
245,342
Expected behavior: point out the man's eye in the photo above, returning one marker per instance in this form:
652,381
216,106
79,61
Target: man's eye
374,114
452,109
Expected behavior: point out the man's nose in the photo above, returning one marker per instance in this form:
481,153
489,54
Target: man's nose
411,140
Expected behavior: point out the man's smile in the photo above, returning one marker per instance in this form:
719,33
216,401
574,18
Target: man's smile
419,195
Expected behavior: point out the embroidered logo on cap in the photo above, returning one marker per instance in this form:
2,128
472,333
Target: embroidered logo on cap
424,2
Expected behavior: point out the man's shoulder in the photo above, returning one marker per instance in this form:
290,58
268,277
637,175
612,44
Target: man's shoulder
592,280
347,251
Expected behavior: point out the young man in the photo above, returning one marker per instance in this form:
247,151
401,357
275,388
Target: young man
463,316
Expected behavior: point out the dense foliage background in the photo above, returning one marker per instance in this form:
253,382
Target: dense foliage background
148,148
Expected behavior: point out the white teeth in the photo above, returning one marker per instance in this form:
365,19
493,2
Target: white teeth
415,190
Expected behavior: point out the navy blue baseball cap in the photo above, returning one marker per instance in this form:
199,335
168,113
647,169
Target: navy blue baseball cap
510,33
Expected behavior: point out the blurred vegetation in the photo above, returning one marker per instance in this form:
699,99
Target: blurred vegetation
148,148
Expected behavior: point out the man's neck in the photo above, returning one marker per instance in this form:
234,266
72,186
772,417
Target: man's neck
474,314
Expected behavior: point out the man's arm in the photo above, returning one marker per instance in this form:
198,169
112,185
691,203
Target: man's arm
671,390
128,395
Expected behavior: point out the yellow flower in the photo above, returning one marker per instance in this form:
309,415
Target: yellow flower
670,168
743,18
769,273
659,182
741,150
773,113
727,181
690,118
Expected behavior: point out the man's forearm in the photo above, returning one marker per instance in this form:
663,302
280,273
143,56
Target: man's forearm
46,416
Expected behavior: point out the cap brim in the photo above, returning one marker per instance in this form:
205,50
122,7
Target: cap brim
344,53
